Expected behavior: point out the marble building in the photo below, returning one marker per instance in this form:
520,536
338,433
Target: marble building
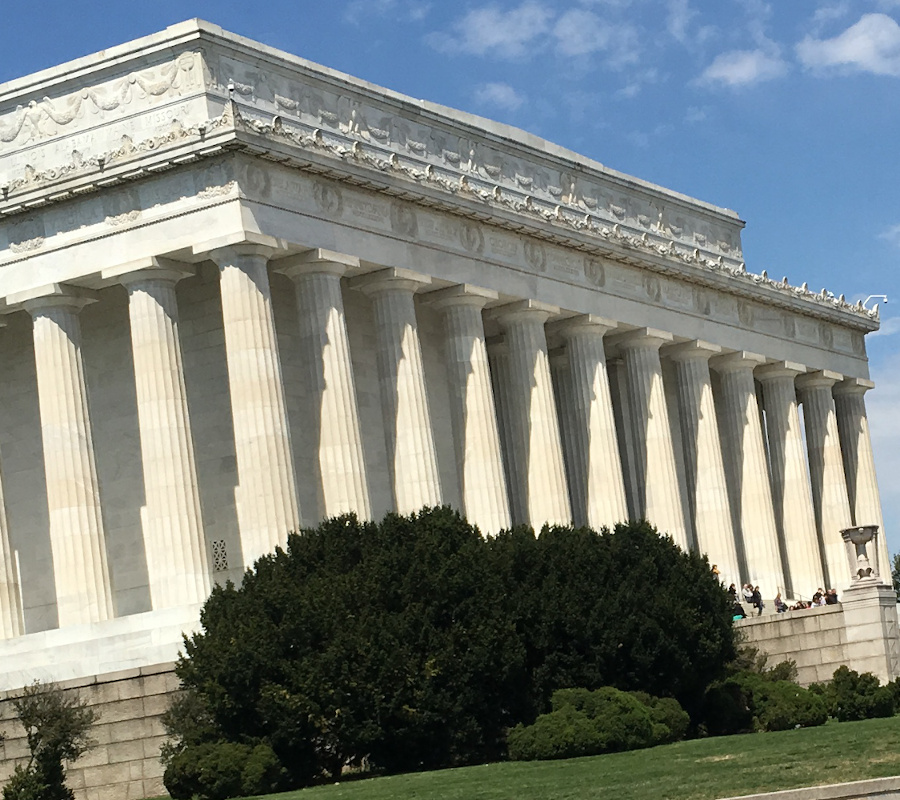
241,292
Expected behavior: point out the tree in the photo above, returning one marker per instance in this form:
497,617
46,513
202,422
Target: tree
895,575
416,643
56,726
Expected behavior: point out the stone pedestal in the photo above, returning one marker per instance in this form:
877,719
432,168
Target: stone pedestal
871,629
83,592
658,498
536,457
748,473
826,472
596,483
267,495
332,410
704,467
791,493
409,437
174,541
476,437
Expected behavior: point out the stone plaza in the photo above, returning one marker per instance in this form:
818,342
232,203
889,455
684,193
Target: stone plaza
241,292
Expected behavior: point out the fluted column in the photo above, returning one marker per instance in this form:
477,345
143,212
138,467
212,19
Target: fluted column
409,437
266,496
174,541
597,484
476,436
498,361
704,467
77,541
534,426
826,471
11,621
791,493
333,408
859,461
658,498
753,514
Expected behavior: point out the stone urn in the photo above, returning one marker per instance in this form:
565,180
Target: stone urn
860,540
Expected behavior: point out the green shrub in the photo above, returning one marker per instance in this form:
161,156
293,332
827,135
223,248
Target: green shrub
27,784
219,770
752,700
566,733
854,696
782,705
727,709
585,722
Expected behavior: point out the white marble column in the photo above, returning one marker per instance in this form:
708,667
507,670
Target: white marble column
498,361
534,426
409,436
333,409
11,620
826,472
658,498
859,461
596,482
174,540
266,496
747,470
83,592
475,433
704,467
791,493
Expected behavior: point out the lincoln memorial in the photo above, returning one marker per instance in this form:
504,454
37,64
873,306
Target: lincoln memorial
241,292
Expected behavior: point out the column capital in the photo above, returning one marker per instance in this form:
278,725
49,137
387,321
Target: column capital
853,386
687,351
244,243
54,295
523,309
392,278
463,294
780,369
152,268
823,378
314,262
737,362
641,338
558,357
583,324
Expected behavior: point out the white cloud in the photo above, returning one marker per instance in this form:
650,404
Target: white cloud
829,13
743,67
695,115
679,19
871,45
889,327
579,32
500,95
492,31
892,235
414,10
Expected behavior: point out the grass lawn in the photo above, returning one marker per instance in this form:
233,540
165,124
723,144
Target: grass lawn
703,769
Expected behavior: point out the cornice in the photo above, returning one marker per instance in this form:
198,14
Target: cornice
409,176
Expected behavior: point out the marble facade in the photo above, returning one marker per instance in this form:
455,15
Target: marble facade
243,292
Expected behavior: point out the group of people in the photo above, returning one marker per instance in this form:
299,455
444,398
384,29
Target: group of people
820,598
751,595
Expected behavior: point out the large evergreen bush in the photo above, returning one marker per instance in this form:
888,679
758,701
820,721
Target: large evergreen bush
416,643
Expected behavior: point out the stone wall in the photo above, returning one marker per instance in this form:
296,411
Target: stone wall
814,638
124,765
860,632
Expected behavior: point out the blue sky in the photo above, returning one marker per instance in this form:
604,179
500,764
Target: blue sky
785,111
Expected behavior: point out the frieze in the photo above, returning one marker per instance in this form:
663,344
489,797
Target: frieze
43,118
